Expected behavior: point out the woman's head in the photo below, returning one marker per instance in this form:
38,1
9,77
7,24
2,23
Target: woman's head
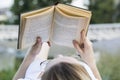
65,68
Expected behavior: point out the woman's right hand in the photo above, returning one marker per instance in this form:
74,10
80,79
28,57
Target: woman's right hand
86,50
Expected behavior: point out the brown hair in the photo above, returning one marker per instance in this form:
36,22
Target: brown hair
66,71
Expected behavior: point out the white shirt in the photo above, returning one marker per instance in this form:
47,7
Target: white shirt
37,67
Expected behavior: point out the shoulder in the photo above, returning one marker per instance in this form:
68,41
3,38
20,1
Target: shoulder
88,69
35,69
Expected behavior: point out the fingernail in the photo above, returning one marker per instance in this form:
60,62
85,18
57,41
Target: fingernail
49,43
74,40
83,31
38,39
82,45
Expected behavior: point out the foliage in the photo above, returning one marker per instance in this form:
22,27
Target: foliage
104,11
21,6
8,74
109,66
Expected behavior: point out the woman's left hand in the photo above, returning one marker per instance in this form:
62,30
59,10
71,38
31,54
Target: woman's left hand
35,49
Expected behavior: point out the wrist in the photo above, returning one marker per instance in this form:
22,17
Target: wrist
29,58
92,65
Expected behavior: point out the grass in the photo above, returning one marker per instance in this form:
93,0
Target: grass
108,65
8,74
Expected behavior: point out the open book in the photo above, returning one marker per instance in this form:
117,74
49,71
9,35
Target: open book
59,24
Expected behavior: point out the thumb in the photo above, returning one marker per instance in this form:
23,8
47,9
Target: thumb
38,41
77,47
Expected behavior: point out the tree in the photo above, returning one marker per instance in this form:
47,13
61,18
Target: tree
103,11
116,16
21,6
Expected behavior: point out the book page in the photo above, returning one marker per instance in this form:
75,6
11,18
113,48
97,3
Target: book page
72,10
35,12
67,28
37,25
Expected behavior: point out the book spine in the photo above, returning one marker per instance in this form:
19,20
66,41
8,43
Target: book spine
44,51
18,43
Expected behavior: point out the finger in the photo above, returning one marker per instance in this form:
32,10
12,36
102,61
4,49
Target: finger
77,47
38,41
82,35
60,55
82,45
87,43
82,38
49,43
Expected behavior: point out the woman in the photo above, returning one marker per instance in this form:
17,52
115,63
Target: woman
35,65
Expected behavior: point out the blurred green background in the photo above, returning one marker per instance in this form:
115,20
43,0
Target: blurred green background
106,45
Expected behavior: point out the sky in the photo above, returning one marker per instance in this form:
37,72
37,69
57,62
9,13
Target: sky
80,3
8,3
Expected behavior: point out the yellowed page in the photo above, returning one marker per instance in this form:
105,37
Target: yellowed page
23,21
67,28
37,25
22,25
73,11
